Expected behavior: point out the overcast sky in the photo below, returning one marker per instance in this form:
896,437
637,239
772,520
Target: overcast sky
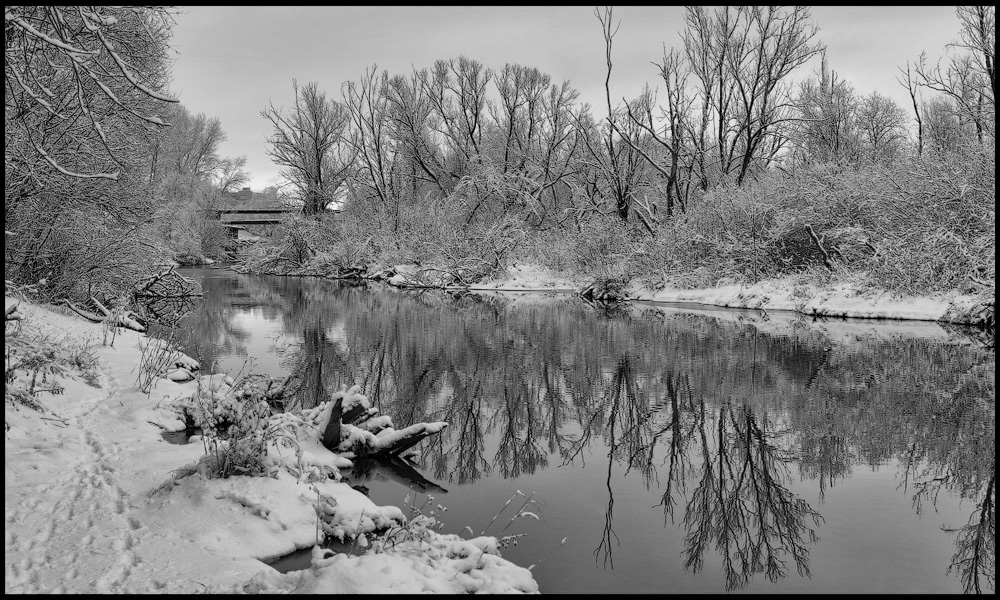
231,61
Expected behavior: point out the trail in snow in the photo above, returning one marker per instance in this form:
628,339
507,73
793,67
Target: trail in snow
83,522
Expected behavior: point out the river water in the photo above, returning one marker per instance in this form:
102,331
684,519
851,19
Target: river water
662,449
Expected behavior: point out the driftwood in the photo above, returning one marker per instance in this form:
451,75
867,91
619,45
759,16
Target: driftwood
165,296
411,437
388,442
122,319
86,314
331,435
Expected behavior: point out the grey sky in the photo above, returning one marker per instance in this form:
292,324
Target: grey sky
232,60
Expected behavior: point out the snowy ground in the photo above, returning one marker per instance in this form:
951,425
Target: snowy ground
96,501
839,300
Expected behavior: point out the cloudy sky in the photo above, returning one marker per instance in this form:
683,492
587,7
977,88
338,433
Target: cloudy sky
231,61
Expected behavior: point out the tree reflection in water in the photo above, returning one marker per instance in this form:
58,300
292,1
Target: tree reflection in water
716,417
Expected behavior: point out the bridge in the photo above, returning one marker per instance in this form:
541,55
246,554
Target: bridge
237,218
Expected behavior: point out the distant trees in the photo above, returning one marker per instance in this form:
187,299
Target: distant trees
309,143
189,177
827,110
968,80
726,114
966,85
882,126
512,142
741,58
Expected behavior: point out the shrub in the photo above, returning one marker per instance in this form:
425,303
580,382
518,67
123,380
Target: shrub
236,427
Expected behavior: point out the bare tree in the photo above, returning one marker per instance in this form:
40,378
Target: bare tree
84,89
556,157
531,141
943,126
80,82
410,111
882,126
706,40
310,144
969,78
618,164
743,56
671,129
231,173
912,87
373,144
827,107
457,91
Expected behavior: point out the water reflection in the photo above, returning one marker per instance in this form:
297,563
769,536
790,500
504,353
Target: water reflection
721,420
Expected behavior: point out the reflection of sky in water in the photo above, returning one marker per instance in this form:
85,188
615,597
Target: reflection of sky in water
264,341
521,384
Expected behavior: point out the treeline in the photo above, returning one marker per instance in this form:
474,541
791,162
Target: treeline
106,175
730,171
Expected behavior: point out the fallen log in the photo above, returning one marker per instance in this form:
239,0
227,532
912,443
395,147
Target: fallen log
392,442
123,319
10,309
86,314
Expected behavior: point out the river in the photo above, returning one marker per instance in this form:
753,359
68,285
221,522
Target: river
662,449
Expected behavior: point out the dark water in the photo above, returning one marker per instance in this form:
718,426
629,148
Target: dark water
673,451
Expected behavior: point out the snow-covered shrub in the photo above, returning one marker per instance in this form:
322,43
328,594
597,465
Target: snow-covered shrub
33,360
237,430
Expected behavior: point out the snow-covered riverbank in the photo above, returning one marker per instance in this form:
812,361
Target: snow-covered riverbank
96,501
802,296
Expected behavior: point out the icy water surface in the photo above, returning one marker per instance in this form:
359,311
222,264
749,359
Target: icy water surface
673,451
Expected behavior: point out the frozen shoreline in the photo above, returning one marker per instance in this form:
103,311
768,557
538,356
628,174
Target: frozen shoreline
841,300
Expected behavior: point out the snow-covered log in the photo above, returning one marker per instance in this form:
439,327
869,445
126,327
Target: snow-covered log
10,309
123,319
390,442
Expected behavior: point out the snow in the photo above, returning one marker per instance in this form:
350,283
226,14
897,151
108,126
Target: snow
95,500
452,565
789,294
528,277
840,300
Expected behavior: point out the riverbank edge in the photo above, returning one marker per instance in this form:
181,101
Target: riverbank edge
799,294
